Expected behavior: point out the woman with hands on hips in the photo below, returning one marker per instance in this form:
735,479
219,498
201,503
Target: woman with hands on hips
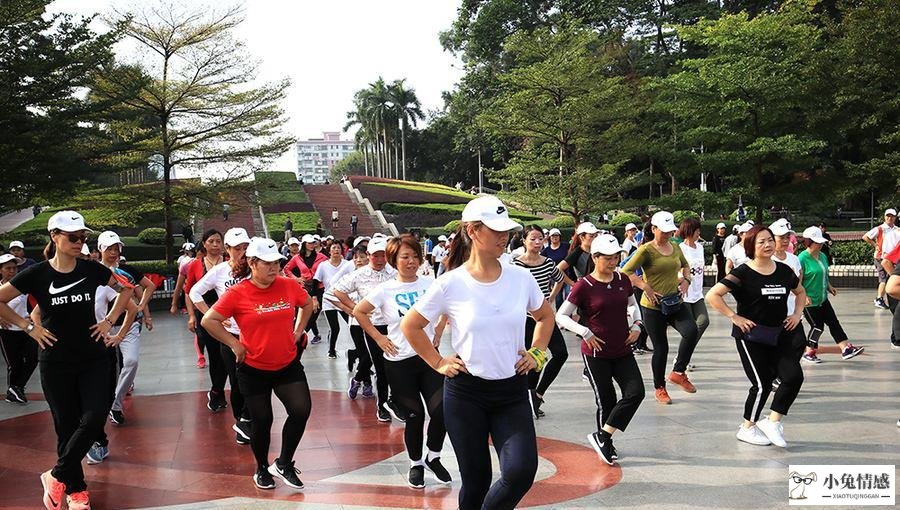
763,333
486,390
612,324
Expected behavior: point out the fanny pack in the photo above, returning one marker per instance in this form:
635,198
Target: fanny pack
766,335
671,304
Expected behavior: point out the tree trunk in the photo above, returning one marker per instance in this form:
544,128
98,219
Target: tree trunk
651,179
403,145
673,181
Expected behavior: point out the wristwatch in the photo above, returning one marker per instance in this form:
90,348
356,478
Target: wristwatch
29,328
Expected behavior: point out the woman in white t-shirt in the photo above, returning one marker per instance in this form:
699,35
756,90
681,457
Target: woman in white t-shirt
781,230
689,231
19,351
486,390
325,274
411,379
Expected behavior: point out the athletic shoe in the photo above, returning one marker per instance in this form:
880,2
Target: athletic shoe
438,469
895,347
683,381
332,355
662,396
691,367
215,401
287,472
397,412
354,389
351,359
753,435
263,479
602,446
615,454
117,417
776,383
811,358
54,491
536,403
316,340
851,351
79,501
416,477
241,432
639,351
97,453
773,430
382,414
367,391
201,362
585,376
16,396
879,303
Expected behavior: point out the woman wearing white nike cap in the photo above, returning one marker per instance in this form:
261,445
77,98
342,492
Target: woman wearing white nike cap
267,355
486,390
302,268
606,301
219,279
73,359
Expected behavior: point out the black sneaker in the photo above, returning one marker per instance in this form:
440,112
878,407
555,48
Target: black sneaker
440,472
382,414
241,432
396,410
417,477
332,355
16,396
215,401
602,446
851,351
263,479
117,417
536,403
615,454
287,472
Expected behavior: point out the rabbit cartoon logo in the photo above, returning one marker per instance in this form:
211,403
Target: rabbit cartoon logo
798,484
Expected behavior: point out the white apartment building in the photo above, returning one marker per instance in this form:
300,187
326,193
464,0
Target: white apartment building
316,156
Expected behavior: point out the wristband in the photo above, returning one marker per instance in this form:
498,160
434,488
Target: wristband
540,357
108,321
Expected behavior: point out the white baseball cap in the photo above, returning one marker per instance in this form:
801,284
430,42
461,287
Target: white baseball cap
67,221
379,235
606,245
16,244
721,225
108,238
376,245
745,227
6,257
360,239
490,211
85,250
264,249
586,228
293,241
555,232
329,238
780,227
442,238
891,211
308,238
630,226
187,246
235,236
664,221
317,237
814,234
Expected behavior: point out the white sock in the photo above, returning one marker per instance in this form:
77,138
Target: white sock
433,455
414,463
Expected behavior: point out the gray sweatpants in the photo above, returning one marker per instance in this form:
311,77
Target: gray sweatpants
130,349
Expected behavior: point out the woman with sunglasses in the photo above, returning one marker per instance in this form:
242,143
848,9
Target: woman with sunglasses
268,357
764,333
73,359
219,279
611,315
486,385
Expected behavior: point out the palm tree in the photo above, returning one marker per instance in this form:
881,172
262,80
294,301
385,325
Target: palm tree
408,109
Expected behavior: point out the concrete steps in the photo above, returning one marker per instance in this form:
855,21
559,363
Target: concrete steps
327,197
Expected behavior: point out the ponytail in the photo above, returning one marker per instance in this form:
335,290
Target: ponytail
50,250
461,246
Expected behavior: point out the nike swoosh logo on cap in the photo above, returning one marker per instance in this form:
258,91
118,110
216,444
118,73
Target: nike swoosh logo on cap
53,290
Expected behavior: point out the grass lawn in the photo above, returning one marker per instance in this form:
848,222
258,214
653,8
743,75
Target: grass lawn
304,222
278,188
428,188
400,208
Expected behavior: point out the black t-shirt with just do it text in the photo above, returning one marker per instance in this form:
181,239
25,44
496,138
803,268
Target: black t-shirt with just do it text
67,307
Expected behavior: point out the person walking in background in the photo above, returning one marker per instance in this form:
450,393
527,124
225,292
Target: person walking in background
354,223
335,216
225,209
718,245
438,253
288,229
883,239
19,350
826,248
556,250
17,248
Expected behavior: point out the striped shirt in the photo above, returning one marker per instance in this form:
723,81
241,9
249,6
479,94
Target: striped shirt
544,273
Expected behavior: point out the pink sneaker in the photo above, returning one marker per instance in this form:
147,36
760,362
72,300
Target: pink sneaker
201,362
79,501
54,491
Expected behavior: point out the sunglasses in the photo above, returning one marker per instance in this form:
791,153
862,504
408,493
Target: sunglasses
76,238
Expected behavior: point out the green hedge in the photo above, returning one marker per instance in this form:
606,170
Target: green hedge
304,223
684,214
624,219
156,266
154,236
279,187
851,253
404,208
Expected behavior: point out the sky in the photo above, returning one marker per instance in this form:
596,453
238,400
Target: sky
330,49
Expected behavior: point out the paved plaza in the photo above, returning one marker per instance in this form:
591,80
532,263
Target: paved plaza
172,453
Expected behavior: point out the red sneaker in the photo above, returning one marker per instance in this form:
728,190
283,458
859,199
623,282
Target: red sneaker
201,362
79,501
682,380
54,491
662,396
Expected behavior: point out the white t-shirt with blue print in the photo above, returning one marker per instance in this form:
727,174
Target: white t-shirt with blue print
393,299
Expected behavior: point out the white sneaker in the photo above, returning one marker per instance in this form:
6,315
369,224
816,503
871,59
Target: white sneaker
752,435
773,430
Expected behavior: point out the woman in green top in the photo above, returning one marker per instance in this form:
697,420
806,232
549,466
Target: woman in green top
661,261
819,311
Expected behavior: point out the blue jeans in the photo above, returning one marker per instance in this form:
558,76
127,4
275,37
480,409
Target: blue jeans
476,409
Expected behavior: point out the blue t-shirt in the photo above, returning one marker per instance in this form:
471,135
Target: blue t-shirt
557,255
429,245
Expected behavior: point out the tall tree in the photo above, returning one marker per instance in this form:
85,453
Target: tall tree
208,115
408,109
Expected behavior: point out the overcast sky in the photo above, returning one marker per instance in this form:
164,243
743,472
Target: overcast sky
332,48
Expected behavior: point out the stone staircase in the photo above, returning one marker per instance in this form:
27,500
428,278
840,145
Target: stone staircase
246,215
325,197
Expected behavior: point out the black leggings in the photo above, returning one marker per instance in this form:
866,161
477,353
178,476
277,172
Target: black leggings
364,367
762,363
291,388
21,355
217,372
238,406
657,324
312,325
541,381
377,357
626,373
112,377
895,322
334,327
822,315
412,380
78,396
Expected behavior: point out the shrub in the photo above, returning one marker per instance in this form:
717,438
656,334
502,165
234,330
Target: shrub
153,235
625,219
155,266
441,208
451,226
851,253
684,214
751,215
562,222
304,222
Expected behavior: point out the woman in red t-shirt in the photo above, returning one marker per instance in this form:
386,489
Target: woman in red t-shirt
268,356
610,316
